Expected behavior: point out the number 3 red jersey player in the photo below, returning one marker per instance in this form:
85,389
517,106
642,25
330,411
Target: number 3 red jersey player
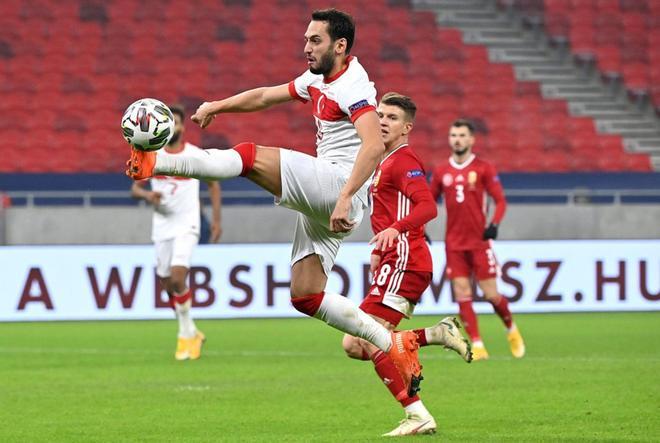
465,181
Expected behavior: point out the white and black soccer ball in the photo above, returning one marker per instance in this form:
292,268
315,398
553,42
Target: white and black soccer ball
148,124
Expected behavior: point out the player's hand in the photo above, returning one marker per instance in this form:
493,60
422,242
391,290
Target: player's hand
339,221
216,232
384,240
490,233
203,116
374,263
154,197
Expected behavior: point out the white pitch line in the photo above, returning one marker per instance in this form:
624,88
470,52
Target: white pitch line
192,388
428,354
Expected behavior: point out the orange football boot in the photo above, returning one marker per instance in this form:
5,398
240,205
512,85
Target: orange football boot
141,164
404,355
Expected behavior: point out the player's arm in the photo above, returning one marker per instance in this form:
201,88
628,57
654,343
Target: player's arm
495,190
368,157
423,210
248,101
215,194
139,191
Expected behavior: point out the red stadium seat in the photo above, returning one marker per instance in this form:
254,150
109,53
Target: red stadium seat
120,51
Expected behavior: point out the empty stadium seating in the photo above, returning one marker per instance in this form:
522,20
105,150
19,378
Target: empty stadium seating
69,69
622,36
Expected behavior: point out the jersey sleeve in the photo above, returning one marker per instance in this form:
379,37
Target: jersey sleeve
494,188
298,86
410,179
357,97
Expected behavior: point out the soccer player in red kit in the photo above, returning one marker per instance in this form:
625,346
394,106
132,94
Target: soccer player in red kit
401,204
465,180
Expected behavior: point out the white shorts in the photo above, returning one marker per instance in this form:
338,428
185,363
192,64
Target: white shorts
311,186
175,251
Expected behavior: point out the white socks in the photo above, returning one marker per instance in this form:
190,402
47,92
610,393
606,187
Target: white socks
212,164
341,313
417,408
187,327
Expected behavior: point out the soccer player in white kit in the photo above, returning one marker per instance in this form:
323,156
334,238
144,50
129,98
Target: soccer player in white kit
329,191
175,232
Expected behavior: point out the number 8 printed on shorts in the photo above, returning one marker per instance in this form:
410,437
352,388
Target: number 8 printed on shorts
383,274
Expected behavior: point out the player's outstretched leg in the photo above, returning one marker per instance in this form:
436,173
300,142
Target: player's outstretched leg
210,164
446,333
341,313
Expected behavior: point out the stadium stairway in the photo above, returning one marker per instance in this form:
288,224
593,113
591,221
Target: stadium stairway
511,38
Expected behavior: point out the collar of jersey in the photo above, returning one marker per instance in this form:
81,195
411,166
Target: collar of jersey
337,75
461,165
403,145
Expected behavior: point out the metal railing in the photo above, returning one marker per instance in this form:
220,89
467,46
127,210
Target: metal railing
515,196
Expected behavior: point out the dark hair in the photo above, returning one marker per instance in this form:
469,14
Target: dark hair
400,101
178,110
340,25
464,122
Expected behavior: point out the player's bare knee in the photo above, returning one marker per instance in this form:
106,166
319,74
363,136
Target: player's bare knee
265,170
462,292
493,298
178,286
352,347
307,277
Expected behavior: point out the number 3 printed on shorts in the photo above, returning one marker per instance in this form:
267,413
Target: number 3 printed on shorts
460,195
491,257
383,274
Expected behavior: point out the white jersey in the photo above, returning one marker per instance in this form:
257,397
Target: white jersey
338,101
179,209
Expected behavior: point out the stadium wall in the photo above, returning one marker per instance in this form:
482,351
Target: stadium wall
268,224
116,282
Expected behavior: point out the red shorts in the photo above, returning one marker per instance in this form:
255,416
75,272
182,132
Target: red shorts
394,293
481,263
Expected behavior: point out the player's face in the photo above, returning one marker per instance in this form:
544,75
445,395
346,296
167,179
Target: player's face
460,140
319,48
393,124
178,129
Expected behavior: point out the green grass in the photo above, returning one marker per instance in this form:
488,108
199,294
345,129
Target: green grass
586,377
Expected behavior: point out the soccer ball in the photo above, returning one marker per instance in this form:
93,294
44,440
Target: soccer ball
147,124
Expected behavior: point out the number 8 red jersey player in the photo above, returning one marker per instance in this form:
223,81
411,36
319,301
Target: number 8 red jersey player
401,204
465,182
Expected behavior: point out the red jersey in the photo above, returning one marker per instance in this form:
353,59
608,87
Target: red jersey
465,187
401,199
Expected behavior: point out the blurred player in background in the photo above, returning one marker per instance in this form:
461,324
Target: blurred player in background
175,233
329,191
401,264
464,180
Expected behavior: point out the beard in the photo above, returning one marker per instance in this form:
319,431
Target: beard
460,152
326,63
175,138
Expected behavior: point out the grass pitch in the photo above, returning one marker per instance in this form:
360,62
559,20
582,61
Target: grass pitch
587,377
